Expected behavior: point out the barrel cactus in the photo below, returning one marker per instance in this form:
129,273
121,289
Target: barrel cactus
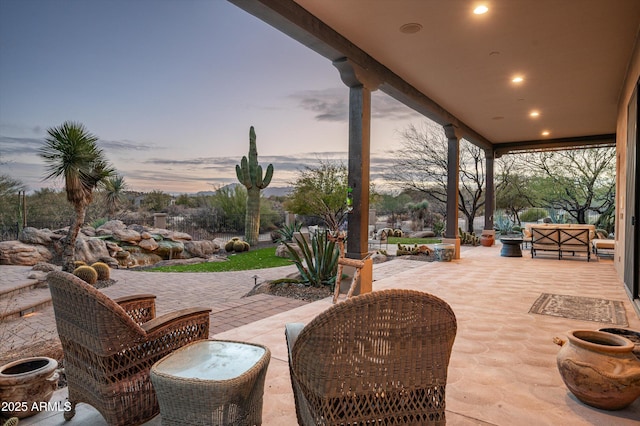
240,246
228,247
103,270
249,173
87,274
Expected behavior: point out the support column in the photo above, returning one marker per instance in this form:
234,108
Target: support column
360,86
490,196
453,180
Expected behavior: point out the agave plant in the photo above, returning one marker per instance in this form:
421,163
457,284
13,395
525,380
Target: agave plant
320,257
286,232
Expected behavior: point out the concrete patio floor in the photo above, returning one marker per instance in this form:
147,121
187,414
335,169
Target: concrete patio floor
503,366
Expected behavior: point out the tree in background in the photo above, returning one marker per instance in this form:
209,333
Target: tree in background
249,173
71,152
394,206
114,193
321,192
156,201
10,188
576,181
421,164
513,188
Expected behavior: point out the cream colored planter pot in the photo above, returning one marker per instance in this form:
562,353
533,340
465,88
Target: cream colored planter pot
25,384
599,368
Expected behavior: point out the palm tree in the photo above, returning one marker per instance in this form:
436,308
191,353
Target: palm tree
114,187
70,151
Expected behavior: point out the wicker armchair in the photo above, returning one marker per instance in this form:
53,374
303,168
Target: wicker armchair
110,345
380,358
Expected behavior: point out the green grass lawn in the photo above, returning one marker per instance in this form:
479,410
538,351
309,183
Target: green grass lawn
401,240
252,259
261,259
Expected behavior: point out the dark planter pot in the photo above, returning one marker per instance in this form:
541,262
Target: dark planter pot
632,335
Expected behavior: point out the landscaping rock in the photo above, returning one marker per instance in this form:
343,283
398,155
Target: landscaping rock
31,235
148,243
19,253
203,248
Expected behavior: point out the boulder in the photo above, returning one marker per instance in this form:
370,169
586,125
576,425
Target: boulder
127,235
148,243
203,248
31,235
283,251
91,250
168,249
180,236
423,234
88,231
112,225
378,258
19,253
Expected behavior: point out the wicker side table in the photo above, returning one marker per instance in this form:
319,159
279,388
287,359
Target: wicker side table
212,382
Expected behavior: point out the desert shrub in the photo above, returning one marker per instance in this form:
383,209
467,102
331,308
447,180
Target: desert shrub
103,270
533,215
87,274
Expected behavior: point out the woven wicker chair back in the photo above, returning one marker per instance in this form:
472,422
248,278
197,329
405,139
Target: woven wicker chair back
88,317
380,357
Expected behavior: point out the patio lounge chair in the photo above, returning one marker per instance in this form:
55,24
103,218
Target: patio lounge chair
379,358
110,345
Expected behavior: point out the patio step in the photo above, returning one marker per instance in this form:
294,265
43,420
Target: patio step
23,299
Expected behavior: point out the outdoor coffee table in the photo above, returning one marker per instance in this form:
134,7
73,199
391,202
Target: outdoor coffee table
511,247
212,382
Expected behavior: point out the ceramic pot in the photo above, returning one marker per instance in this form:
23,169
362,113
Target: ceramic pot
445,252
599,368
487,240
26,383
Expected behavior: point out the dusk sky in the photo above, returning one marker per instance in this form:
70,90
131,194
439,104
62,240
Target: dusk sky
171,88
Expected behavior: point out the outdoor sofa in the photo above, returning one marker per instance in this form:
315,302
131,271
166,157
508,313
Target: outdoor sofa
562,238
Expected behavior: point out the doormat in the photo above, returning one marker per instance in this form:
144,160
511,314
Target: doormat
581,308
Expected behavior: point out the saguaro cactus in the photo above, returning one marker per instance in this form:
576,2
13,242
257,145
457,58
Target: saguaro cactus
249,173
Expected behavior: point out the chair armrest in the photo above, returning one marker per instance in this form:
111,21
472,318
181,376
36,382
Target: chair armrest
292,331
182,322
140,307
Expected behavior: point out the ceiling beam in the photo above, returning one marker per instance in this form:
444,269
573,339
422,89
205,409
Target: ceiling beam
590,141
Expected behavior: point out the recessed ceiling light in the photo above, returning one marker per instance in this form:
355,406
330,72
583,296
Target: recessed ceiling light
534,114
497,117
517,79
410,28
482,9
546,133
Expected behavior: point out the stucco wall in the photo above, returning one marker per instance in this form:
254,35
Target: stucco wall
621,160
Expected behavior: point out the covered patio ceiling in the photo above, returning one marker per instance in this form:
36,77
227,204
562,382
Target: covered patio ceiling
457,67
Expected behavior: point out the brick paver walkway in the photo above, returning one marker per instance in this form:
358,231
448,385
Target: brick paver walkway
221,291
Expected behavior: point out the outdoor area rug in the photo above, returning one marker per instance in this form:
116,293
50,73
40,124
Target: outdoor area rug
581,308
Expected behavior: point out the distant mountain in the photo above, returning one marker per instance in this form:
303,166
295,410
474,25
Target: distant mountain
268,192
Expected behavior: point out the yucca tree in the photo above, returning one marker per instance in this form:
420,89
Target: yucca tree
70,151
114,187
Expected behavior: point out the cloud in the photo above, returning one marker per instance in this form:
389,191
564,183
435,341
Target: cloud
327,104
17,146
385,107
125,145
333,105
